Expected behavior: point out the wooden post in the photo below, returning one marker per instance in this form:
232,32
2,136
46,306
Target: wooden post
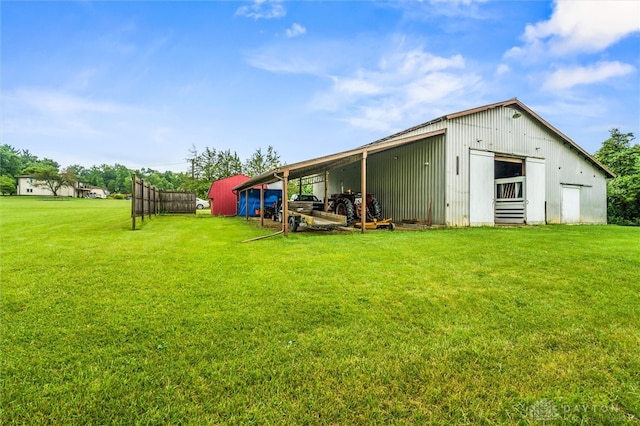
246,204
262,206
285,203
326,191
133,202
363,191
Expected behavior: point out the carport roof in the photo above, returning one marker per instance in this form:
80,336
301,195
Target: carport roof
321,164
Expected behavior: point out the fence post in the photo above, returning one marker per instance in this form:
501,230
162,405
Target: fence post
133,202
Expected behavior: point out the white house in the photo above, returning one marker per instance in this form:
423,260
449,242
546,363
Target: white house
28,185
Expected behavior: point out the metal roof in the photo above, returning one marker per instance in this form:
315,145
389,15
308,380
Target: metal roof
512,103
321,164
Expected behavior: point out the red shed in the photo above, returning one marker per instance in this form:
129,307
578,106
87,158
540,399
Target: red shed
223,200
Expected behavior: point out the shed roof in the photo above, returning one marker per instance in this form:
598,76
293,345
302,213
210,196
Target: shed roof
317,165
320,164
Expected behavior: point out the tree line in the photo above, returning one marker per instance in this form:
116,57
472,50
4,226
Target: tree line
623,192
204,168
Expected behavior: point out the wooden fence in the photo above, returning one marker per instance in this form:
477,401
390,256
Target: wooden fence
147,201
177,202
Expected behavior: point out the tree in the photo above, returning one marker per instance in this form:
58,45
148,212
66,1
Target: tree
7,185
619,155
260,163
50,178
227,164
623,192
11,163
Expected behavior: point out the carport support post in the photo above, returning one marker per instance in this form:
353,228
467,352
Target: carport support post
285,203
262,206
363,190
326,191
246,204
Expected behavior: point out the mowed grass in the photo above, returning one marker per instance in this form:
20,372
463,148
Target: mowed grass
181,323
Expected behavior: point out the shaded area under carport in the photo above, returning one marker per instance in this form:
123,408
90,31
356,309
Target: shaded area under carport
321,166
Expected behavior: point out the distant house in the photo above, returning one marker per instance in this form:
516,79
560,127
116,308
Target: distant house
29,186
96,192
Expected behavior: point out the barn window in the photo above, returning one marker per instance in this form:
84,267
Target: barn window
508,167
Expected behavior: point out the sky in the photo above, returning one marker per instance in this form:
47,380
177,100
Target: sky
141,83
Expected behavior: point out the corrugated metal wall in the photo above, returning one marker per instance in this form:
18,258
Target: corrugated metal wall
403,180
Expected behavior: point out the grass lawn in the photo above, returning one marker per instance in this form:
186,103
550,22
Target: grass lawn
181,323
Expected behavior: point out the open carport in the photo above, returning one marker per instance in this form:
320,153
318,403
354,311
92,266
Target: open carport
322,167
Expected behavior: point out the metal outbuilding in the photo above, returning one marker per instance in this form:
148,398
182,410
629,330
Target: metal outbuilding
224,201
496,164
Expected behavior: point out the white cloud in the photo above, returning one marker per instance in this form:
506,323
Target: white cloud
580,26
406,85
356,86
315,59
376,84
296,30
502,70
37,112
262,9
566,78
418,61
61,103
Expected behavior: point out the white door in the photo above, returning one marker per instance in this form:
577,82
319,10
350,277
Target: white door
481,178
570,204
535,191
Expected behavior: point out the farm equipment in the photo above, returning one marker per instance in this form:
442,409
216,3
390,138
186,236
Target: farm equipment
375,224
306,211
315,219
349,204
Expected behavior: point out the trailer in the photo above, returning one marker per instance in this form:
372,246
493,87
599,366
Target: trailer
315,219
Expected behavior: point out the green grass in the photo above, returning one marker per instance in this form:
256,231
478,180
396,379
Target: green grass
180,323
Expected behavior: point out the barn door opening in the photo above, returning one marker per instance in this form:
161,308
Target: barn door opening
510,196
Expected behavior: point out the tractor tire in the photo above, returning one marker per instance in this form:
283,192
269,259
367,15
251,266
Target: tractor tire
375,209
345,207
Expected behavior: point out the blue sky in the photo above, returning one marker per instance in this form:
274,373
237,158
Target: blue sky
139,83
